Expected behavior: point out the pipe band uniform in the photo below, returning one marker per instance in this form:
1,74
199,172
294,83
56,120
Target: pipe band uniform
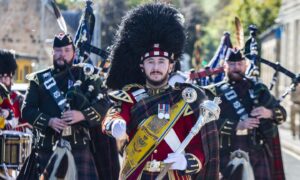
248,120
152,116
62,106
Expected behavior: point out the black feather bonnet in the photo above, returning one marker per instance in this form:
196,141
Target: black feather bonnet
8,64
140,29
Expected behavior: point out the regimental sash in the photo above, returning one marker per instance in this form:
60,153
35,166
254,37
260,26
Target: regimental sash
232,97
148,136
51,86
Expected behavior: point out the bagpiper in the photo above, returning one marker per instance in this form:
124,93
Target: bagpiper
248,119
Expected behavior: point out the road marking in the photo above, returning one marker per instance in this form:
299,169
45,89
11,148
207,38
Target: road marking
291,153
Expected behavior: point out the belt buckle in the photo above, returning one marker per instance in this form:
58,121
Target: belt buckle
242,132
154,166
67,131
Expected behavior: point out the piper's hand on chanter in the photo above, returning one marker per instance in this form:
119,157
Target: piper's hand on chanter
57,124
72,117
261,112
248,123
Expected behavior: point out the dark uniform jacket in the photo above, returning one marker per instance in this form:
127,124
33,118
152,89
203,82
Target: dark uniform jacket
250,94
39,106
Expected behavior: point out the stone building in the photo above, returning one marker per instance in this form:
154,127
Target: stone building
289,20
282,43
25,27
270,50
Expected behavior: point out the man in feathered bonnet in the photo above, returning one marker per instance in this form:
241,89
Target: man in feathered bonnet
11,105
153,116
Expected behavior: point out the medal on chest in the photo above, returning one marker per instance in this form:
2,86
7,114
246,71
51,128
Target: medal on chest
163,111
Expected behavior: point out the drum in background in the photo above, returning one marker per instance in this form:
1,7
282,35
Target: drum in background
15,148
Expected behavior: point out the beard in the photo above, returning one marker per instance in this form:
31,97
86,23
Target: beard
157,83
61,67
236,76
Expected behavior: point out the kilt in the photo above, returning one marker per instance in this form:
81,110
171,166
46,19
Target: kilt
171,175
210,141
105,155
259,159
85,164
276,160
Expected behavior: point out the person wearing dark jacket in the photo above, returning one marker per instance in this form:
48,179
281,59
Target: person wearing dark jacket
63,102
248,120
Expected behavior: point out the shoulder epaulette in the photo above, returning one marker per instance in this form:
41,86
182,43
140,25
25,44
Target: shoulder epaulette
33,76
188,111
120,95
213,88
129,87
30,76
137,91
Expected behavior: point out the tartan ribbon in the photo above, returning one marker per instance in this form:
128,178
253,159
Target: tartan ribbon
146,107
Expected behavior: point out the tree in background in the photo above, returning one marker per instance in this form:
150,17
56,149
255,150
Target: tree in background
258,12
214,16
261,13
134,3
197,56
70,4
112,12
194,16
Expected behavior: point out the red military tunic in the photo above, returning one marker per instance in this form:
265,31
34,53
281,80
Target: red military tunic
16,101
13,105
181,129
10,120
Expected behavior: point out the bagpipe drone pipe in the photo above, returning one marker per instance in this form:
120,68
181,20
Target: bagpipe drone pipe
251,52
83,38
